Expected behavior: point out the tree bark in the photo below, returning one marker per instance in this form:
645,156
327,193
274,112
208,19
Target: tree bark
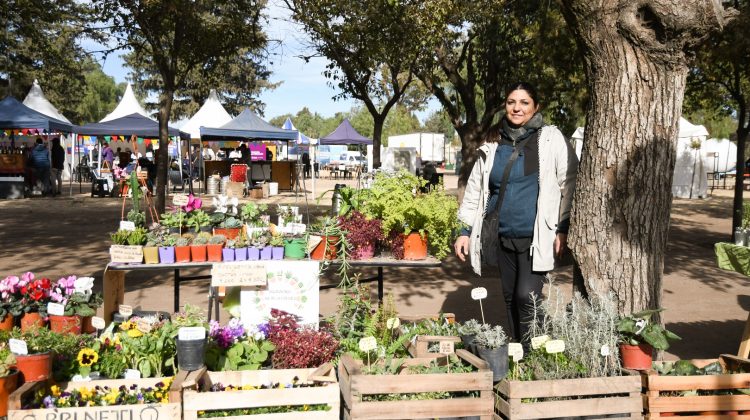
739,180
634,54
162,160
377,138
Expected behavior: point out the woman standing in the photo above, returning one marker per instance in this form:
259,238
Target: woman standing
525,177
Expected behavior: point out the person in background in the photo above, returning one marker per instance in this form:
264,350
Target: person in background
306,164
58,164
150,169
269,154
108,156
41,165
208,152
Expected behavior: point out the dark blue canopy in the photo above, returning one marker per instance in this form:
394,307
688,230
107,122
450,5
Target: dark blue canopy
133,124
14,114
345,134
247,126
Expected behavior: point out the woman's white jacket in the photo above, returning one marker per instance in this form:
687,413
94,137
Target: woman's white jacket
557,174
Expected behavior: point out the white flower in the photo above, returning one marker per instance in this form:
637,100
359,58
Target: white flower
83,285
641,325
392,323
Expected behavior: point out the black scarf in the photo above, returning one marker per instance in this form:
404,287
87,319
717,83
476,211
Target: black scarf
511,135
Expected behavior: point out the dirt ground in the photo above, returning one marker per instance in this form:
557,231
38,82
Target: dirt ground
705,305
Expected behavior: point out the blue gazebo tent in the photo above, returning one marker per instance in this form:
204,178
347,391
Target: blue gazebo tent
345,134
247,126
133,124
14,114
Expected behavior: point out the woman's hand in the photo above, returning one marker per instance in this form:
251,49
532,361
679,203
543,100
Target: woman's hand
462,247
561,244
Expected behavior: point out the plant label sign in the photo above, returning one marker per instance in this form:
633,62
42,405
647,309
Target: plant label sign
446,347
245,273
554,346
192,333
132,374
127,225
392,323
55,309
98,323
180,200
604,351
515,350
126,253
18,347
538,341
478,293
368,344
143,326
125,310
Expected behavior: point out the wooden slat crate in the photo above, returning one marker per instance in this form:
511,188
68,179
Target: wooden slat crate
170,410
569,397
420,346
698,406
194,400
355,385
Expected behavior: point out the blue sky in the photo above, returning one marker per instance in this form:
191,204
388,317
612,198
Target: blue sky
303,83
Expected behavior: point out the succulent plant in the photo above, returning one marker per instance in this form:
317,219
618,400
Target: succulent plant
217,239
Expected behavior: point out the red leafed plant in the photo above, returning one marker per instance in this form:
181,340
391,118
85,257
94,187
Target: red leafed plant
298,348
362,233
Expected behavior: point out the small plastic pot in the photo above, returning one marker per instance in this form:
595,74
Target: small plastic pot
35,367
497,359
277,253
190,354
215,252
66,324
253,253
266,253
198,253
227,254
166,254
240,254
636,357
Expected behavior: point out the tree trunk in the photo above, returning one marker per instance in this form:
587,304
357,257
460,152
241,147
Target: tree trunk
636,69
162,155
377,138
739,180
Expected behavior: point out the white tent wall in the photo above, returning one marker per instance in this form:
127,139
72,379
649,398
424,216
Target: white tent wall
577,140
690,171
726,160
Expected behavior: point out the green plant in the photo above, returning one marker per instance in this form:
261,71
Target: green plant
137,217
276,240
746,215
202,238
491,337
137,236
250,213
329,226
247,354
120,237
182,241
638,328
470,327
198,219
217,239
172,220
157,236
350,199
170,240
7,360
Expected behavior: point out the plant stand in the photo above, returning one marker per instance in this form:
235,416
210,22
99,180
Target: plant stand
355,385
569,397
663,392
194,400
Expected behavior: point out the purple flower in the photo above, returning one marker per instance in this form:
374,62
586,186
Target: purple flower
228,335
48,401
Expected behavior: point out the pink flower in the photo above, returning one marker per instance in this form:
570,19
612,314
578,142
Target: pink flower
26,278
194,203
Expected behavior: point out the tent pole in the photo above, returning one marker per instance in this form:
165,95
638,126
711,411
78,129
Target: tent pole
201,185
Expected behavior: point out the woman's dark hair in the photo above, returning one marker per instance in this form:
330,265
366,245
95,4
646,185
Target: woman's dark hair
528,87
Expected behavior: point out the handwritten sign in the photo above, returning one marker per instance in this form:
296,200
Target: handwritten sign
127,225
125,310
245,273
55,309
392,323
368,344
126,253
554,346
446,347
132,374
180,200
539,341
604,351
515,350
143,326
478,293
18,347
192,333
98,323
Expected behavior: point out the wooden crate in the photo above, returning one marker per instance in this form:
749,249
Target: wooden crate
171,410
354,385
194,400
703,406
420,346
569,397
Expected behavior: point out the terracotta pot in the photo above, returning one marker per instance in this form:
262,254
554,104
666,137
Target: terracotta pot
182,254
86,327
365,252
31,320
7,323
198,253
415,246
636,357
8,384
65,324
331,251
214,252
229,233
34,367
151,255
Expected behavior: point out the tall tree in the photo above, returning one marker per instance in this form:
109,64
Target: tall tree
720,81
100,95
440,122
176,37
371,47
636,66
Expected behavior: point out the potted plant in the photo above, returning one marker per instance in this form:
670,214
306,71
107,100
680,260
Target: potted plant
8,377
639,336
182,248
362,234
198,247
231,348
492,346
277,246
166,249
199,221
76,295
240,248
172,221
468,331
252,215
37,364
228,252
151,250
215,244
257,242
295,247
331,236
31,306
9,296
266,251
225,217
190,352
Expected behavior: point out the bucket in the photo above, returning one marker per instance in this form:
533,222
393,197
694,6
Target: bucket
497,359
273,188
212,185
224,185
190,354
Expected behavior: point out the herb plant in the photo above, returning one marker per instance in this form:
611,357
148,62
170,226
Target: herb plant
638,328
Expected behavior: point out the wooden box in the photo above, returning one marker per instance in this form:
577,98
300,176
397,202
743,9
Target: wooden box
355,385
170,410
194,400
662,399
419,347
569,397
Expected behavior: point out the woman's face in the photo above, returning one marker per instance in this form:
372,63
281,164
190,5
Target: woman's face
519,107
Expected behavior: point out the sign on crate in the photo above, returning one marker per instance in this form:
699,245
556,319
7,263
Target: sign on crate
245,273
126,253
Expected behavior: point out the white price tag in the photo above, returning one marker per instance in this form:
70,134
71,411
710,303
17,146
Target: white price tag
604,351
144,189
55,309
539,341
143,326
392,323
127,225
368,344
125,310
515,350
192,333
180,200
98,323
554,346
478,293
446,347
132,374
18,347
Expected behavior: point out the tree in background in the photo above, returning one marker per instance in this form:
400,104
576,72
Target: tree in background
440,122
636,67
100,95
176,37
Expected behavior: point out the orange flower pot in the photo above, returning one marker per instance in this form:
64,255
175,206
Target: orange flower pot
66,324
229,233
86,327
214,252
636,357
7,323
182,254
198,253
330,251
34,367
415,246
31,320
8,384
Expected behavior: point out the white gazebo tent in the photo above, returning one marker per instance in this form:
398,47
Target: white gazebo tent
36,100
577,140
128,105
690,171
212,114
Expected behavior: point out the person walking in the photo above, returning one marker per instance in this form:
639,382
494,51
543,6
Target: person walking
58,165
516,208
41,164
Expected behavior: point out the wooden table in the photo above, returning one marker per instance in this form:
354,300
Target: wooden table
114,278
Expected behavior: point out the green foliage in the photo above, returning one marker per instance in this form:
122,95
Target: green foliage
100,95
7,360
687,368
137,217
120,237
197,219
201,239
251,212
638,328
491,337
470,327
217,239
172,220
137,236
745,215
244,355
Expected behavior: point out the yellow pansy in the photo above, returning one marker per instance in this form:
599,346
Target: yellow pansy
55,390
87,357
134,333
